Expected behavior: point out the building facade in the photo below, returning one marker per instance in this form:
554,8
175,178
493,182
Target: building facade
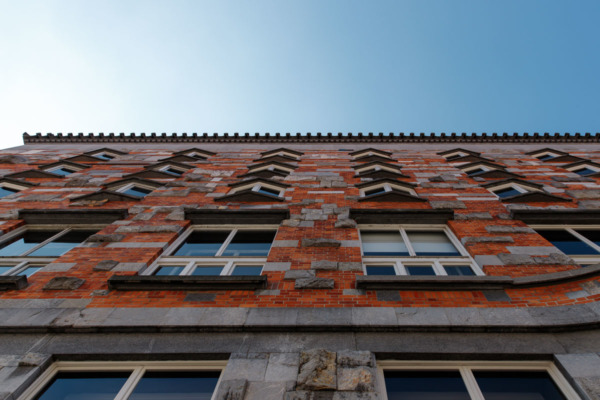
300,267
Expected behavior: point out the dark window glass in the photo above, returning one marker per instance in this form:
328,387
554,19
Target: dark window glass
462,270
454,157
425,385
207,270
266,190
62,244
250,243
431,243
175,385
419,269
5,268
205,243
30,270
169,270
196,155
248,270
104,156
584,171
593,235
63,171
566,242
5,191
173,171
545,157
374,191
84,386
383,243
526,385
25,242
380,270
137,191
507,192
476,171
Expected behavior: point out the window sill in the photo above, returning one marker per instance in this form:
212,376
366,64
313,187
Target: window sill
471,282
187,282
13,282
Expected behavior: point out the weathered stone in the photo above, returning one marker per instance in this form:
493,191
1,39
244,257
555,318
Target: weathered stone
453,204
170,193
33,360
584,193
282,367
64,283
349,266
359,379
508,229
106,265
515,259
388,295
353,358
148,228
232,389
345,223
436,179
298,274
555,258
324,265
355,396
111,237
487,239
291,222
314,283
144,216
298,395
321,242
13,159
317,370
495,295
589,204
176,216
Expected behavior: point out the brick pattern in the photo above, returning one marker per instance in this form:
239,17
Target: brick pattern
321,193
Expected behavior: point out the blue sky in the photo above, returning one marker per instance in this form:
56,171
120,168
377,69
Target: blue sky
304,66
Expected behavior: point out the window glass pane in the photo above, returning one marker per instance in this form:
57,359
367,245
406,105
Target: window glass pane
172,171
30,270
5,191
476,171
566,242
521,385
250,243
432,244
508,192
374,191
5,268
62,171
84,386
207,270
266,190
25,242
425,385
380,270
585,171
62,244
250,270
546,157
383,243
594,235
103,156
462,270
175,385
137,191
205,243
419,269
169,270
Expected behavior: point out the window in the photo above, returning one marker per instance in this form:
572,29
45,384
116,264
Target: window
103,155
62,170
213,252
136,190
260,187
126,380
508,191
414,250
582,243
472,380
25,251
6,190
385,186
169,169
584,168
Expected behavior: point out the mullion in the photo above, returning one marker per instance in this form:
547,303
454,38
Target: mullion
583,239
130,384
411,251
226,243
45,242
471,383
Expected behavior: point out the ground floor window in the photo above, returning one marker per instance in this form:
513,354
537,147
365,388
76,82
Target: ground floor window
131,381
474,381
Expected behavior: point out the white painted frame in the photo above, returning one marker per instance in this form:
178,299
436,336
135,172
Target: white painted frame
65,166
280,153
387,187
270,167
437,263
12,186
378,167
583,166
257,186
137,371
466,371
543,153
125,188
367,153
105,153
581,259
164,169
455,153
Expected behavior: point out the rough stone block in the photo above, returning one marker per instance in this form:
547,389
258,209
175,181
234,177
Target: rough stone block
285,243
111,237
282,367
318,370
129,267
277,266
515,259
345,223
58,267
353,358
359,379
233,389
324,265
508,229
584,193
350,266
473,216
191,297
388,295
452,204
486,239
314,283
321,242
106,265
299,274
64,283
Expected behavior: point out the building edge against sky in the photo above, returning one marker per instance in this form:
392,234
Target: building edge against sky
300,267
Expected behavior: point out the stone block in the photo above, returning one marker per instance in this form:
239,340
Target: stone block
496,295
314,283
106,265
533,250
349,266
277,266
129,267
149,229
324,265
345,223
321,242
285,243
452,204
359,379
487,239
515,259
268,390
271,317
282,367
203,297
294,223
487,260
355,358
508,229
243,368
473,216
372,316
58,267
232,389
299,274
318,370
13,159
388,295
111,237
584,193
340,395
64,283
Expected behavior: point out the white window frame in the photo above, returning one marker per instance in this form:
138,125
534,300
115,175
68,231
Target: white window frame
13,186
280,153
196,154
271,167
485,169
374,168
581,259
368,153
105,153
399,262
125,188
66,166
387,187
24,260
137,372
228,262
515,186
466,371
583,166
455,153
257,186
543,153
164,169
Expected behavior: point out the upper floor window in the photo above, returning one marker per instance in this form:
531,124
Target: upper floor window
206,251
26,250
414,250
122,381
582,243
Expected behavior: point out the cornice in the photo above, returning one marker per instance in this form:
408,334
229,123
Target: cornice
537,138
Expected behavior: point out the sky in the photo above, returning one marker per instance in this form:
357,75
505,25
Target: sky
298,66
